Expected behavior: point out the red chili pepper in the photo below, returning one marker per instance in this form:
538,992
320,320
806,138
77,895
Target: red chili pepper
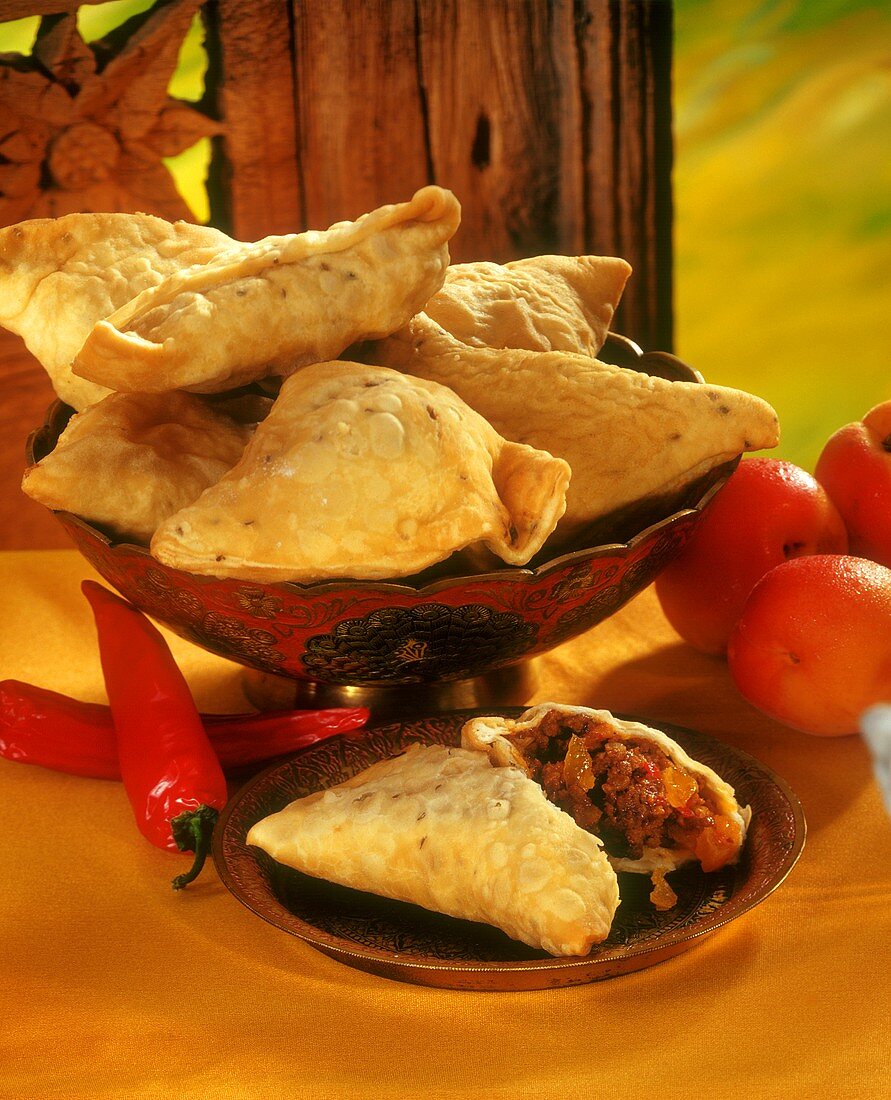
39,726
171,774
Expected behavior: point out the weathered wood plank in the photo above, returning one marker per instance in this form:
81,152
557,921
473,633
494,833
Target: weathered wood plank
360,108
504,122
255,188
625,51
595,31
22,9
656,38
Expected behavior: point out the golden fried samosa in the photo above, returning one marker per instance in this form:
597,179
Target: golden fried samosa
654,807
59,276
133,459
273,306
441,828
544,303
626,435
363,472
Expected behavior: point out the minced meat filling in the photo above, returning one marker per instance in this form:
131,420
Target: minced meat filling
616,789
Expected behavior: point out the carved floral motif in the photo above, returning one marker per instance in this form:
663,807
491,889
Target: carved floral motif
85,128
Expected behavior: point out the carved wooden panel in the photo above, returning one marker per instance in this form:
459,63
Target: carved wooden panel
359,103
86,128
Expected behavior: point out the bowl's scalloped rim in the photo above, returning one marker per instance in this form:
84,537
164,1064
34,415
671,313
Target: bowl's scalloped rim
520,574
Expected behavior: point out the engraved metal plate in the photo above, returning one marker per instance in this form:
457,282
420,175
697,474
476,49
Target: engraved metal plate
401,941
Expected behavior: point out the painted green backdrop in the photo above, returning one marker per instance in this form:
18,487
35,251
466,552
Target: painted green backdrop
782,197
783,205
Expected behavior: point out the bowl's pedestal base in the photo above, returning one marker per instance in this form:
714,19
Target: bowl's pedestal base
506,687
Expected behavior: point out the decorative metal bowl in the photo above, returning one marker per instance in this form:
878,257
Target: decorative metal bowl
435,628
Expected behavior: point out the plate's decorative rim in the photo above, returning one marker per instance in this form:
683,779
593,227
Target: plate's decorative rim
601,963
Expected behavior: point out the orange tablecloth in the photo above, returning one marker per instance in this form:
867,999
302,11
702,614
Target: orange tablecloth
114,986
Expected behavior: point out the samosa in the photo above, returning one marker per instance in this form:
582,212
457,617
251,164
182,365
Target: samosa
268,308
132,459
626,435
364,472
443,829
59,276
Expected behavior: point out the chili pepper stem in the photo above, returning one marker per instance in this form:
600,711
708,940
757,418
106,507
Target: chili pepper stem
192,832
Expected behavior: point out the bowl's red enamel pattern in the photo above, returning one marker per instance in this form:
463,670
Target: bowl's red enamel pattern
388,634
361,632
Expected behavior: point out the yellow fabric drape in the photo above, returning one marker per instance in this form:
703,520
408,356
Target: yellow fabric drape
114,986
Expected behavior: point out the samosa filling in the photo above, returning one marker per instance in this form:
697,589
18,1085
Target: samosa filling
627,792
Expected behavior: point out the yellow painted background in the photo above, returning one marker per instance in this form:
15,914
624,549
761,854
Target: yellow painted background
782,190
783,205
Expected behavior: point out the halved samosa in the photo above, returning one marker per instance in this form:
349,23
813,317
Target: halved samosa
59,276
133,459
273,306
652,805
364,472
544,303
441,828
625,434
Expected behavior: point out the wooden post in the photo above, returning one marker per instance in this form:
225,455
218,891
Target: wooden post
550,119
254,187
